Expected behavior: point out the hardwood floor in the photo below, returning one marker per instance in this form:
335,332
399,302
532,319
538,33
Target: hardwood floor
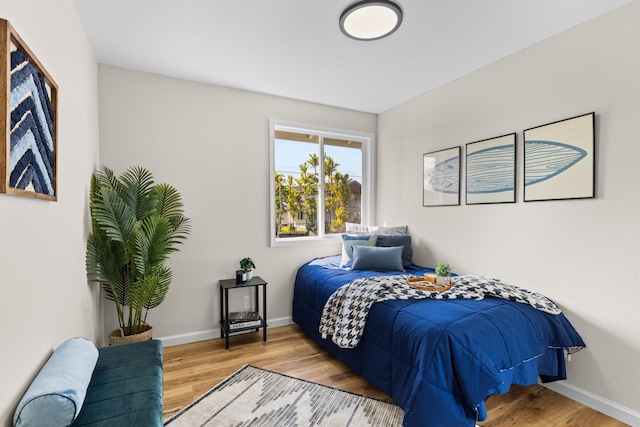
190,370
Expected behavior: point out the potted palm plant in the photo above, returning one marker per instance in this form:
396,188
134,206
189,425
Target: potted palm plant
135,226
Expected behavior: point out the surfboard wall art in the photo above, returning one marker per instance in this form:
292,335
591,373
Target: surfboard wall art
491,170
28,115
559,160
441,179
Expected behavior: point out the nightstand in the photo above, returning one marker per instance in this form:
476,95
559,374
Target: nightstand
246,320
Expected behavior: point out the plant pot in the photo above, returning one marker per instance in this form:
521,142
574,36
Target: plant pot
240,276
442,280
247,275
118,337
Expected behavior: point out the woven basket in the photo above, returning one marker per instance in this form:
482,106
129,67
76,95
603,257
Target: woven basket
118,337
425,284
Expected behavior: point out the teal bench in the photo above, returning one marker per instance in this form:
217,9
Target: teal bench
121,387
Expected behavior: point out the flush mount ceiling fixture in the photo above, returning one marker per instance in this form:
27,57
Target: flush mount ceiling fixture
370,19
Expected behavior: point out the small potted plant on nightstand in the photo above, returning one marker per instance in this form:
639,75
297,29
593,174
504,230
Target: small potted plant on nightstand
247,264
443,271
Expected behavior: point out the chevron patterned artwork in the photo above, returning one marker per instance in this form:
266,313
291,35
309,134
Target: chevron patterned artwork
30,162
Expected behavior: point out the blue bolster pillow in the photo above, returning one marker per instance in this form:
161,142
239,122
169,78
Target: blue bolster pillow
56,395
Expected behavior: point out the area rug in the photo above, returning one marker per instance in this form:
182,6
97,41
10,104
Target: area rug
259,398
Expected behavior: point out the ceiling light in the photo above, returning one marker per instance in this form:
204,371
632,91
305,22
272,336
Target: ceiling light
370,19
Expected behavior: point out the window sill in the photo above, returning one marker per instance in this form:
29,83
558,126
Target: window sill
306,241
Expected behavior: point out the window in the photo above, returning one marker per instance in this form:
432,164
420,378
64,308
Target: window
312,199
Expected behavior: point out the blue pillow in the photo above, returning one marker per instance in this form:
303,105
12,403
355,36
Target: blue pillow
56,395
405,241
377,258
346,237
349,241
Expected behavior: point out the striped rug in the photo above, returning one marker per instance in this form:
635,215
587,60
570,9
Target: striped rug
259,398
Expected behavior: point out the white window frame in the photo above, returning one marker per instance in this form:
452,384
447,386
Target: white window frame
368,177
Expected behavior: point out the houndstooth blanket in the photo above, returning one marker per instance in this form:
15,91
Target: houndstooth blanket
345,313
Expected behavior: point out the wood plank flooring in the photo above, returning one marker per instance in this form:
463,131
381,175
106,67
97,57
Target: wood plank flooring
190,370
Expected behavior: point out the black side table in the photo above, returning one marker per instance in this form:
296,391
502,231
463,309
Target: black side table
227,326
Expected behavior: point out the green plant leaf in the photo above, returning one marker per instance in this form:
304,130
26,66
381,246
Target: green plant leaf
154,244
137,191
161,288
113,216
169,201
443,269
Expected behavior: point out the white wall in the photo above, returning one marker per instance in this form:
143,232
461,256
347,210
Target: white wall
212,144
45,297
584,254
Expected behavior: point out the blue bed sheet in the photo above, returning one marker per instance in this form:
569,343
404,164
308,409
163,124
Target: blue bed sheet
439,359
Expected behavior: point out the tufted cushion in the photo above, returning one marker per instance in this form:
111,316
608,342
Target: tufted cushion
126,388
56,395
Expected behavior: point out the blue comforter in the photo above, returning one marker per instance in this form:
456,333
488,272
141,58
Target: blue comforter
439,359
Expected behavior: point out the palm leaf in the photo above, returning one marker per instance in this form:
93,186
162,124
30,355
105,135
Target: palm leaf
113,216
169,201
137,191
161,288
153,243
170,207
138,291
181,228
151,291
105,178
100,261
103,267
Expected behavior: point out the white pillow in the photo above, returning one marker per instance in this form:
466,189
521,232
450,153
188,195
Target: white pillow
401,230
352,228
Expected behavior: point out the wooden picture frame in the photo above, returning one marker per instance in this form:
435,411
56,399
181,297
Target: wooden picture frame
491,170
28,121
441,178
559,160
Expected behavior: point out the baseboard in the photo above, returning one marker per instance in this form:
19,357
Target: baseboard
596,402
212,333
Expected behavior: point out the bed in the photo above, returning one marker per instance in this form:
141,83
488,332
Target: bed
438,359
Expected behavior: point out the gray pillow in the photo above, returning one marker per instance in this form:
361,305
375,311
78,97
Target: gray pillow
404,241
400,230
